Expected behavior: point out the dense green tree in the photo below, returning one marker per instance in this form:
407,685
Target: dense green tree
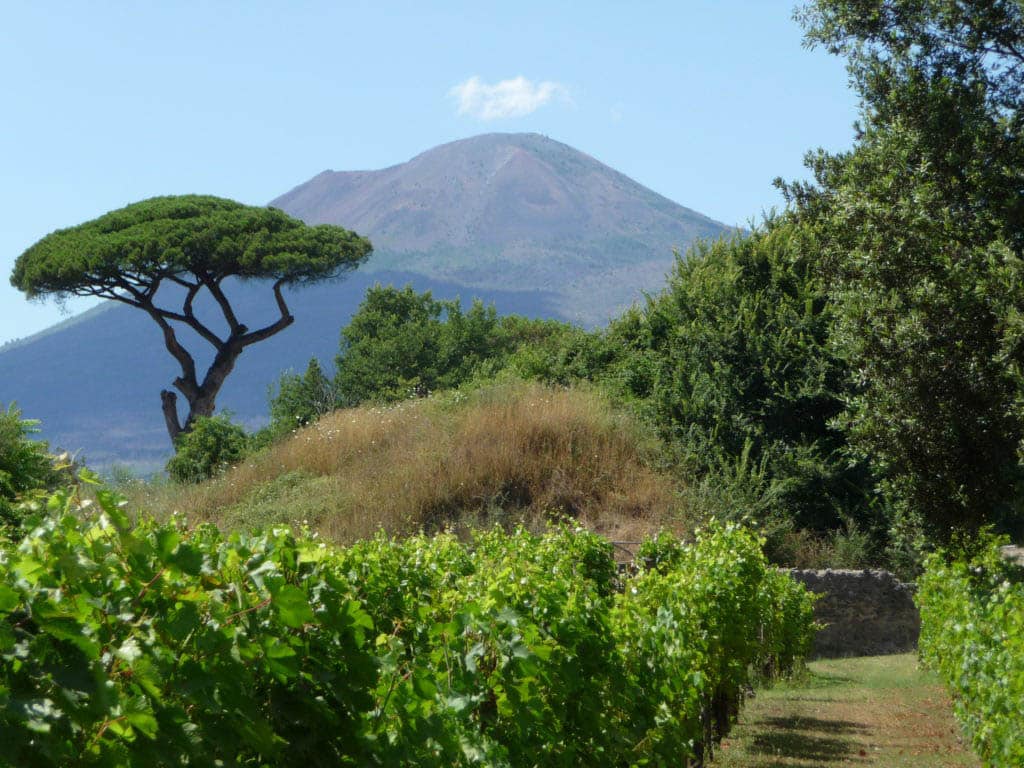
921,227
741,376
182,246
401,343
561,353
391,346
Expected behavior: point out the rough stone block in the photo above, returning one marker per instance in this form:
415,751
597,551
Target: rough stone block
866,613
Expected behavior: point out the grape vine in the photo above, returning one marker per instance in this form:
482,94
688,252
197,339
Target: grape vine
972,633
149,643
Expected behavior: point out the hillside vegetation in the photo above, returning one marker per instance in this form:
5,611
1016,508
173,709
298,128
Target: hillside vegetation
506,453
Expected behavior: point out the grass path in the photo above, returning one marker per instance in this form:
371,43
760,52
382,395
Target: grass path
875,711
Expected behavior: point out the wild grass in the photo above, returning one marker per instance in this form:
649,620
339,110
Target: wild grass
507,454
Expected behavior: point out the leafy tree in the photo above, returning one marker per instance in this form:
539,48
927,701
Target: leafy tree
178,247
560,353
921,227
211,446
741,378
391,347
401,342
467,339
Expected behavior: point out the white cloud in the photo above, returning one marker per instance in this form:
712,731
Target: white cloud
509,98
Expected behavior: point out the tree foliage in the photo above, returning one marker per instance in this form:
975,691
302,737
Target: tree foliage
921,227
300,399
176,248
401,343
735,359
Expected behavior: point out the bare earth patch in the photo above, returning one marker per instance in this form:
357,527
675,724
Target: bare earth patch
874,711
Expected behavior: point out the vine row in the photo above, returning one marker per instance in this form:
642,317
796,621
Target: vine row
148,643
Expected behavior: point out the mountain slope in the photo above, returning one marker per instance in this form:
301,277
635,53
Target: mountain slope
519,220
500,210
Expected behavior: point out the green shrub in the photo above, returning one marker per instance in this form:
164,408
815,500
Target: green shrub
563,354
402,344
299,400
745,373
212,445
25,464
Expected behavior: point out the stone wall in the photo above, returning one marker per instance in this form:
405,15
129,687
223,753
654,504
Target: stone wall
1014,554
867,613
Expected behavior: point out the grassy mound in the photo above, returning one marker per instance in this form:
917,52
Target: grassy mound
505,454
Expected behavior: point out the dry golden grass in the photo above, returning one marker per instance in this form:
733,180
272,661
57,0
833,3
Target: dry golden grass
508,454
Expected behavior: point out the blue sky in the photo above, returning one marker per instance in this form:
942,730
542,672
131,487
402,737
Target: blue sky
107,103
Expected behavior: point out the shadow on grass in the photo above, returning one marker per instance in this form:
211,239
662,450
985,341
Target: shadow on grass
826,680
810,739
833,727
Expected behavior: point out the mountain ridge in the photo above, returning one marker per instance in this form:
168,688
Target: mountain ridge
495,191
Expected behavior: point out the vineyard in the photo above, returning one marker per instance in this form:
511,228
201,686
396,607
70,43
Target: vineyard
138,643
972,633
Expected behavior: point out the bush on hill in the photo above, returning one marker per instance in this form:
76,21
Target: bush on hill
212,445
25,465
299,400
401,344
